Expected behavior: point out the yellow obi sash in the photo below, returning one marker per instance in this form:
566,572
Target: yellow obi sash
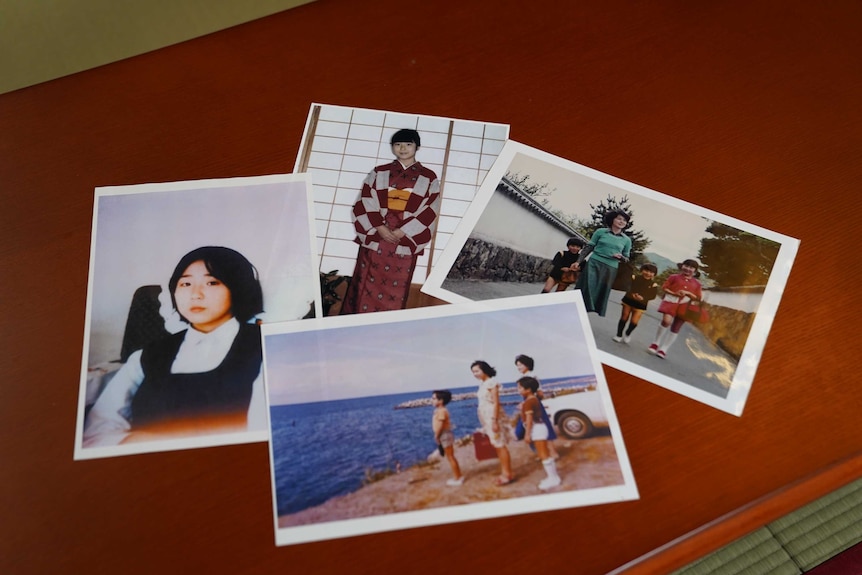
397,199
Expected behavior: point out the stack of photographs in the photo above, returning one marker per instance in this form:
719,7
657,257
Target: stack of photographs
237,310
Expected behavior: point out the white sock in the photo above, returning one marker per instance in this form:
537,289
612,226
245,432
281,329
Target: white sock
669,339
659,334
551,468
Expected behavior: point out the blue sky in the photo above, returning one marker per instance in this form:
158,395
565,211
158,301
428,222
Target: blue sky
424,354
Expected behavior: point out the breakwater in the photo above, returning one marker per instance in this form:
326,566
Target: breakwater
557,386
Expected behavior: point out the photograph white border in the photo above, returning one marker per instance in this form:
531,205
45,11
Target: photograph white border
740,387
297,188
341,144
564,303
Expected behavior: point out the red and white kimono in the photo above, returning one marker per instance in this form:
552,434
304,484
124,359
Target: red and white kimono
399,198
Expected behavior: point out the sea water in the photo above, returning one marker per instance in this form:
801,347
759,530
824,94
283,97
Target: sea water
325,449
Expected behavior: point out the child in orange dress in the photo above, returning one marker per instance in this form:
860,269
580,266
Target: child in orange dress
679,289
536,431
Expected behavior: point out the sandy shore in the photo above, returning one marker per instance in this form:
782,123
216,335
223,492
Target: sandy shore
583,464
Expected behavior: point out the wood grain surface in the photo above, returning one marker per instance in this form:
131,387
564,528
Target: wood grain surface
747,108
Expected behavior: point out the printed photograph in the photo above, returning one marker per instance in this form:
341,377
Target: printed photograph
438,415
389,190
182,275
676,294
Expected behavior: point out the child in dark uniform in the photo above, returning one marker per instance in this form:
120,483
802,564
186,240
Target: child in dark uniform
205,377
564,271
634,303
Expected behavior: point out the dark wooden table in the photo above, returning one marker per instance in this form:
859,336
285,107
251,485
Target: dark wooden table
751,109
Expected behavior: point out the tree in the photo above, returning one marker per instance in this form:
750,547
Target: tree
540,193
535,191
734,258
639,241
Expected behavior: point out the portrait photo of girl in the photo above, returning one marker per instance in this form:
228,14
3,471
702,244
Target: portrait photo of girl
209,372
390,188
182,275
394,217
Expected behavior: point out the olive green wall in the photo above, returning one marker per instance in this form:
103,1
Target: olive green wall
45,39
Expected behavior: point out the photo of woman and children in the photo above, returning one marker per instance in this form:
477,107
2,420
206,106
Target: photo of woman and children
362,429
701,287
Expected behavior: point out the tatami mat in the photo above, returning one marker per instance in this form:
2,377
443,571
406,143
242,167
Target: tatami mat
796,543
822,529
758,553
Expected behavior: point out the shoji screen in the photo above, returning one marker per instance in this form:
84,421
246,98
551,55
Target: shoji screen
342,145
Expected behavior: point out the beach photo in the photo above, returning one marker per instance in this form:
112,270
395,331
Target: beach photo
437,415
182,275
676,294
389,190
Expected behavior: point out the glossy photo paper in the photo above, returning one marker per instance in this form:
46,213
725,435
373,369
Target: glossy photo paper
354,446
181,276
364,188
701,288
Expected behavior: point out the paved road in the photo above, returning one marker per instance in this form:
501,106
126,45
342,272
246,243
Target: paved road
693,359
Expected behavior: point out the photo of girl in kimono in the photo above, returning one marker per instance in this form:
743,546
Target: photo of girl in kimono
204,379
393,219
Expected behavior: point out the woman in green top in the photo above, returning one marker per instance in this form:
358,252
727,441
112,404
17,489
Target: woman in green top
609,246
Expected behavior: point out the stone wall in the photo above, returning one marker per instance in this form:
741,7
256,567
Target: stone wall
481,260
728,329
